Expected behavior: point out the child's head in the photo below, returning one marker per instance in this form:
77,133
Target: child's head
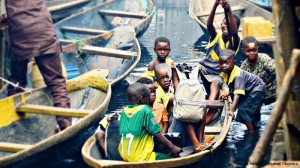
162,75
138,93
250,48
151,86
227,60
224,25
162,48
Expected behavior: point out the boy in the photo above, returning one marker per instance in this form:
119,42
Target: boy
248,90
209,65
261,65
138,126
162,50
158,109
165,92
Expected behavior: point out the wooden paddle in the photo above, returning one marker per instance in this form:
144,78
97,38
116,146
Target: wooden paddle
228,30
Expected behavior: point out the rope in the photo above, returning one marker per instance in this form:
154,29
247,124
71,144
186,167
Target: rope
10,83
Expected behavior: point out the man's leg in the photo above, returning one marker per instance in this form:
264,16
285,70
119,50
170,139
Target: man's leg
51,70
18,76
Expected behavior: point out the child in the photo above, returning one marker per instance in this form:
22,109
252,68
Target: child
138,125
261,65
248,90
165,92
209,66
162,50
158,109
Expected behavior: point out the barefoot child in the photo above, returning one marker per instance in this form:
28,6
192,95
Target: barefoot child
209,65
248,90
157,108
138,126
162,49
260,64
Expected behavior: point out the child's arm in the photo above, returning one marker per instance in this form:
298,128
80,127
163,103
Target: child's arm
151,65
234,105
165,127
164,141
233,25
175,77
210,21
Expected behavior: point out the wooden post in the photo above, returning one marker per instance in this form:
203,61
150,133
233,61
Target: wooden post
288,39
2,55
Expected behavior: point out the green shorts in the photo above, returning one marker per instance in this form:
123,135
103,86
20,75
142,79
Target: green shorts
161,156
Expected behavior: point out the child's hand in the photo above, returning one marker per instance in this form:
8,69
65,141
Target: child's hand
2,21
173,65
230,113
225,95
218,2
175,151
225,5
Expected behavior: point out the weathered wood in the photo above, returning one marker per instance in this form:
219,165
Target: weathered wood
214,104
212,130
108,52
12,147
261,147
82,30
288,39
66,42
219,11
122,14
66,5
47,110
2,54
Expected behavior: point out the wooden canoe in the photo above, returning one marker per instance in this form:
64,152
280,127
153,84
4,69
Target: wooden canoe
105,17
60,9
199,10
28,122
91,155
117,51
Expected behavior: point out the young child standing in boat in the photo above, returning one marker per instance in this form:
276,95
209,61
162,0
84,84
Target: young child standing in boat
162,49
219,41
260,64
138,126
157,108
248,90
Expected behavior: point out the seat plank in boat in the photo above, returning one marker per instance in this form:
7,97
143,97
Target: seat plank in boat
108,52
122,14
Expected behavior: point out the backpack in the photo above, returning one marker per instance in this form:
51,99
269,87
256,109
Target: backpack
189,99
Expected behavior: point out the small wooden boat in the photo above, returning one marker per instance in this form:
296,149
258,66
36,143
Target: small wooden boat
200,9
117,51
28,121
105,17
218,130
60,9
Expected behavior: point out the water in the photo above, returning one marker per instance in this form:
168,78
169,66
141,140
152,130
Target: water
188,45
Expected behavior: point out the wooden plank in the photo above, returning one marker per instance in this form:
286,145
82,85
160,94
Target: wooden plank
212,130
122,14
67,5
108,52
47,110
66,42
12,147
214,104
82,30
219,11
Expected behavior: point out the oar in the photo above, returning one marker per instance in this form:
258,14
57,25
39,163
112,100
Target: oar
228,29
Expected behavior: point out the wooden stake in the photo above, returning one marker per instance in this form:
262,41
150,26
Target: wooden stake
261,147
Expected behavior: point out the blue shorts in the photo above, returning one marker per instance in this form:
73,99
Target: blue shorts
249,107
